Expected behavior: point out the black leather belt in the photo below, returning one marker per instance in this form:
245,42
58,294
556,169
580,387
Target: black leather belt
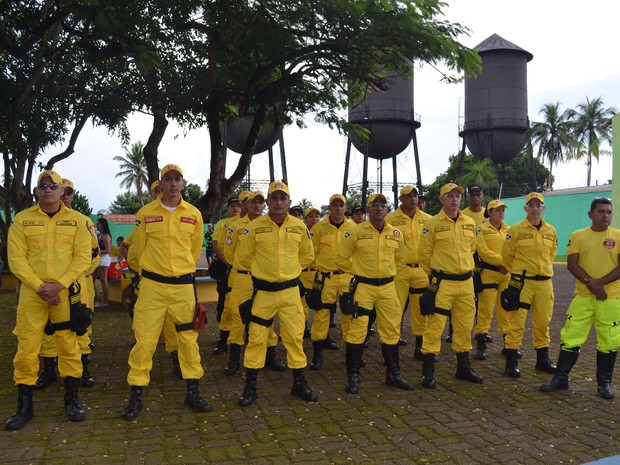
243,272
452,277
488,266
374,281
262,285
183,279
537,277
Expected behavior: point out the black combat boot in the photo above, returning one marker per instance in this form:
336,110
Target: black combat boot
73,409
604,370
193,399
86,380
428,371
249,392
24,410
543,363
566,361
300,387
354,363
317,356
464,370
222,343
393,377
330,344
519,354
176,366
272,361
417,351
481,347
48,373
512,364
234,357
135,403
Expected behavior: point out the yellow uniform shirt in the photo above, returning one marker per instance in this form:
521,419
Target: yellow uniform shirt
43,249
411,228
447,245
167,243
598,255
489,242
233,238
221,229
530,249
366,252
276,253
325,239
478,217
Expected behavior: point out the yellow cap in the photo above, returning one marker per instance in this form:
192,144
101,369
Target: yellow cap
166,169
408,190
450,187
244,195
337,197
373,198
67,184
253,195
278,186
534,196
52,174
154,185
312,209
495,204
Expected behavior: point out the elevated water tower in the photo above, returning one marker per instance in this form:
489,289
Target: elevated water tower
392,123
496,115
234,135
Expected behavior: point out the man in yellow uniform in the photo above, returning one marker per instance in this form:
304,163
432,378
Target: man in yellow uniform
412,280
594,260
446,253
373,252
219,235
240,282
49,249
490,237
87,296
528,254
276,248
476,209
326,236
167,245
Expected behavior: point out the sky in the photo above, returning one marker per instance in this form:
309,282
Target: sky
571,43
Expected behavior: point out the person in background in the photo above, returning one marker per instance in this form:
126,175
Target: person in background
422,202
297,211
105,249
358,214
594,261
209,252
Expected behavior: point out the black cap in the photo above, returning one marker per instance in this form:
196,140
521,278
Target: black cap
474,188
296,207
230,201
421,197
358,208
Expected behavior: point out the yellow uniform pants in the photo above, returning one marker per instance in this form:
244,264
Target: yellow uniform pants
286,304
407,279
458,298
155,301
584,312
384,300
241,292
333,287
540,295
32,316
488,300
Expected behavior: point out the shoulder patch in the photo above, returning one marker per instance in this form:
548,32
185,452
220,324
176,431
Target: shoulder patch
425,231
396,233
347,234
508,237
228,240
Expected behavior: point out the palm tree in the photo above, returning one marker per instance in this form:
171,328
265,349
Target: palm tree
553,136
591,128
133,168
479,172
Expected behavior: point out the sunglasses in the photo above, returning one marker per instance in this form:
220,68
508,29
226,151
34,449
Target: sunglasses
52,185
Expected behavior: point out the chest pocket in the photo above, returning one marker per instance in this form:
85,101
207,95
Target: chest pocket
35,237
292,242
154,228
187,229
469,233
446,236
529,242
65,236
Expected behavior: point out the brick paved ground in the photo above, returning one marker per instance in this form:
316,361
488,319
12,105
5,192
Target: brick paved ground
503,421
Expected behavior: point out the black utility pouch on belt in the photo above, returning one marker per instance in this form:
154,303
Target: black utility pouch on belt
80,316
511,296
313,296
478,287
427,299
347,305
245,309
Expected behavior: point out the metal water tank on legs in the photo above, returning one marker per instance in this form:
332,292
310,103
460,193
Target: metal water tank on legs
496,115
